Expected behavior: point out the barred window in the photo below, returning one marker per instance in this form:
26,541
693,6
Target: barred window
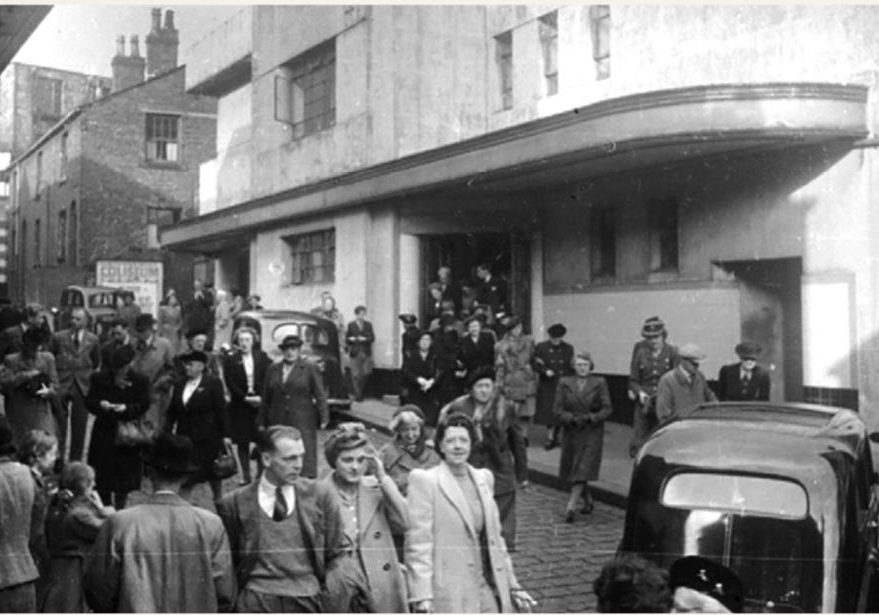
305,92
312,257
549,43
504,57
162,137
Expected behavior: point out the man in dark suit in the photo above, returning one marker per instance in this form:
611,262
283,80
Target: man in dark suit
745,380
11,337
360,337
477,346
491,291
302,521
294,395
77,356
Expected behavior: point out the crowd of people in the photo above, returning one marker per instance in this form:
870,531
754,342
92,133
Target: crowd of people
373,534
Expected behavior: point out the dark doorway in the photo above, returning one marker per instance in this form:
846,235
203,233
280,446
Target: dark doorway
244,270
771,309
508,255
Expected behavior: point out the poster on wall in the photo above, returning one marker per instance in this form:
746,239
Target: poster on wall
144,279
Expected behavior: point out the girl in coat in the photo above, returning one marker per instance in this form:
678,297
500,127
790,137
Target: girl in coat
456,558
372,511
244,373
515,376
75,517
582,404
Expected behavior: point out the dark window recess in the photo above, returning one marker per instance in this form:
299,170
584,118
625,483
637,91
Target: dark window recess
72,223
663,218
305,92
504,57
162,137
38,244
549,43
61,238
312,257
602,242
47,98
599,25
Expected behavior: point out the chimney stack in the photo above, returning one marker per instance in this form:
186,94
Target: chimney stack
161,45
127,70
134,50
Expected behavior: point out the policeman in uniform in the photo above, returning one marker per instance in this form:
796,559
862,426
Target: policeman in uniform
651,358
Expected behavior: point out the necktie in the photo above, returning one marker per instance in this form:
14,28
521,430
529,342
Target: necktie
76,341
280,512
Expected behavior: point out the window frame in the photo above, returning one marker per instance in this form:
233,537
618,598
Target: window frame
158,138
61,236
305,91
503,45
302,250
599,27
548,30
663,221
55,90
602,242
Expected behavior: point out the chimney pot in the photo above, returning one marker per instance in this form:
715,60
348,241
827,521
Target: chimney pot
120,45
157,18
169,20
135,47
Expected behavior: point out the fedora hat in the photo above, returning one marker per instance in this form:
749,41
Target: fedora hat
748,350
171,453
290,341
480,373
144,322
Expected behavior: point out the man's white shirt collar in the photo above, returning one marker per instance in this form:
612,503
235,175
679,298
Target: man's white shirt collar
266,496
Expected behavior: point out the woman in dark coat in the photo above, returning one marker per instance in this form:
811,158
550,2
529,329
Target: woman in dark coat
116,393
198,411
552,360
245,374
582,404
421,377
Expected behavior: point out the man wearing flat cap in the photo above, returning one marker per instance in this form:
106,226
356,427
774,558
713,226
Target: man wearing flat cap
700,585
652,357
500,443
683,387
165,555
294,395
745,380
552,360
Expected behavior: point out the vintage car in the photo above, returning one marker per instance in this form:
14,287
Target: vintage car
100,304
783,494
321,345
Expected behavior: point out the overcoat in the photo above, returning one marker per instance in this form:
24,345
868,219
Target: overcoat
320,520
163,556
377,521
550,357
17,491
203,419
415,366
515,375
300,401
478,353
25,411
399,462
75,364
443,554
242,416
731,388
117,468
582,412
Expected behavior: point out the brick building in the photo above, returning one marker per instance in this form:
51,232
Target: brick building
102,180
714,165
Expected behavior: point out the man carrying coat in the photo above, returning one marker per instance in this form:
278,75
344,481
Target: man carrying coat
166,555
294,395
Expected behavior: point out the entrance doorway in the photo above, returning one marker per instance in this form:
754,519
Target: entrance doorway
771,312
508,255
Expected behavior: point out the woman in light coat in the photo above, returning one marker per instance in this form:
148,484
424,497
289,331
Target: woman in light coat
515,376
372,511
29,382
455,532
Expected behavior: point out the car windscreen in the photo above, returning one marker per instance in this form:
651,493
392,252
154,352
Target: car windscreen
311,335
100,300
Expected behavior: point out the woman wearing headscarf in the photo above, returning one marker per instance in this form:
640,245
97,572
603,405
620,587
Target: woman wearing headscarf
117,393
582,404
421,377
29,382
456,558
515,376
372,511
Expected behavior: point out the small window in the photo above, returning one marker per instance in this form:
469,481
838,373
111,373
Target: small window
61,238
72,222
504,56
38,244
162,137
47,98
602,242
312,257
64,155
599,22
305,92
663,219
744,495
39,175
549,44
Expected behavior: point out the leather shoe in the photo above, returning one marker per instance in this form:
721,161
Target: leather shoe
569,516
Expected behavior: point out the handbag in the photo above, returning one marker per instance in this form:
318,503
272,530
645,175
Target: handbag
136,432
226,464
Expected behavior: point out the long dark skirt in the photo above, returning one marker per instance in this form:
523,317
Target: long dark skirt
543,414
581,453
118,469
